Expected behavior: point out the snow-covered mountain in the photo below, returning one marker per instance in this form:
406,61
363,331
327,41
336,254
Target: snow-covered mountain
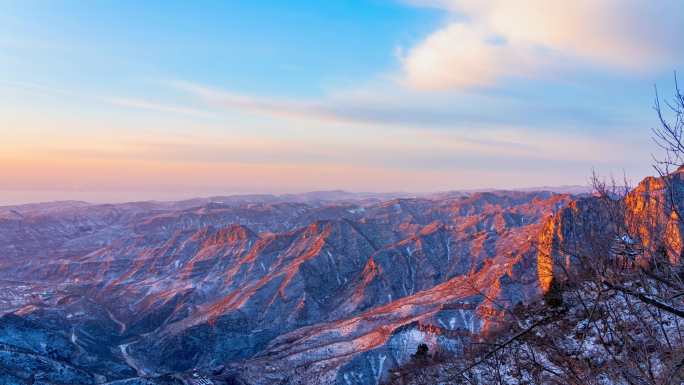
331,289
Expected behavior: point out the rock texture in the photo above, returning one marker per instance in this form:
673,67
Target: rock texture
642,217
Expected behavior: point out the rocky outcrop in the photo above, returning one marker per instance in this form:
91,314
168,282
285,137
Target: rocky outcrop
647,216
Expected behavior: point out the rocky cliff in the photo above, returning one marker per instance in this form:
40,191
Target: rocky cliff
647,215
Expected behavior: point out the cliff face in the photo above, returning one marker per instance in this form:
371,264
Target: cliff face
653,218
582,228
591,226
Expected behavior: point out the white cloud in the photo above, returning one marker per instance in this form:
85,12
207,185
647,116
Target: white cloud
490,40
461,56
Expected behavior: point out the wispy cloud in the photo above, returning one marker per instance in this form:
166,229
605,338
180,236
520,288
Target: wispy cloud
154,106
395,107
135,103
37,88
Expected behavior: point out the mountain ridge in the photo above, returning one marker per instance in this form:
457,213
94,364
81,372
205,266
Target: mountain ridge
230,290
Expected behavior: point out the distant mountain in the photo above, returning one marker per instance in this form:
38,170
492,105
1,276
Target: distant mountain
312,197
320,288
569,189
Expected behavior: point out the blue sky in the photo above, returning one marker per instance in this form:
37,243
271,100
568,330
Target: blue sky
128,100
273,47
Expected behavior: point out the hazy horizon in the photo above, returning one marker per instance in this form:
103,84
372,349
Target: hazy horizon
21,197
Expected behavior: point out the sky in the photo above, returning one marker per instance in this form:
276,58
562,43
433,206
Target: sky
110,101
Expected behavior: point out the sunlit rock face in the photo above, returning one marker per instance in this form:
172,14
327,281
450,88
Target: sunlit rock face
647,216
319,289
582,228
652,213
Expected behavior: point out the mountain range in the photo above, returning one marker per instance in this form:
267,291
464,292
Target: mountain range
317,288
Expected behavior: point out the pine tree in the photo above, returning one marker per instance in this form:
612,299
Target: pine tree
554,296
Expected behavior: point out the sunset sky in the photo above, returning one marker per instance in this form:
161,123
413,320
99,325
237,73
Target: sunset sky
129,100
